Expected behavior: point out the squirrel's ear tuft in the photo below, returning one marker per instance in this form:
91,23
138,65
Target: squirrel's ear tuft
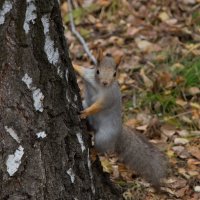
99,55
117,59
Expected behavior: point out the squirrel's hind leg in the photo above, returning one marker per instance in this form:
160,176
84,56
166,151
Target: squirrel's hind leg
104,141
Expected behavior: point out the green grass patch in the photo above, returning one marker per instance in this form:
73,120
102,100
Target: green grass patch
190,72
160,102
163,102
113,8
196,17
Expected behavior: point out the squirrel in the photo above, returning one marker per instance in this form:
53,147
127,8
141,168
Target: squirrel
102,107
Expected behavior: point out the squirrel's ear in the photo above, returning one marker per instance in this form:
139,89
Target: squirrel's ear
99,55
118,59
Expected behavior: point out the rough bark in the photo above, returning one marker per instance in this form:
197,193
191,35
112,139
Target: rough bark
43,150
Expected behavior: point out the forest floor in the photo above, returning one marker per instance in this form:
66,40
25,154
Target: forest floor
159,79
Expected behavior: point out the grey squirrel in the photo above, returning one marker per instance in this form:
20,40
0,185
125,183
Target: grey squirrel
102,106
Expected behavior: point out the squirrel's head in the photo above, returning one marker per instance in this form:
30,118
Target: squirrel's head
107,68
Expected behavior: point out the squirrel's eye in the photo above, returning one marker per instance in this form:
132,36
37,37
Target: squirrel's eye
115,74
97,71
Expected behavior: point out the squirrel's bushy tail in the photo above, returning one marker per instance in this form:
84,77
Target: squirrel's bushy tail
141,156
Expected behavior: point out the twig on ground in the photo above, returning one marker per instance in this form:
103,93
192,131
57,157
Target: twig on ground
175,116
77,34
189,51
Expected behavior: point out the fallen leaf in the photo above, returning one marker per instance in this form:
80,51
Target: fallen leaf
182,103
64,9
116,40
193,90
196,133
142,128
154,129
195,151
183,133
196,114
186,119
143,45
163,16
165,80
168,130
181,192
179,183
197,188
107,167
170,154
148,82
189,2
144,118
183,172
178,149
184,155
195,105
131,31
133,123
180,141
193,173
92,19
104,2
193,163
171,22
177,66
122,78
115,171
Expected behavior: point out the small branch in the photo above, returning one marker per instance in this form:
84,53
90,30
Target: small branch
77,34
189,51
175,116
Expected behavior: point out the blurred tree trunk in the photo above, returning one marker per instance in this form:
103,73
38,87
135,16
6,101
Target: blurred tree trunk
43,150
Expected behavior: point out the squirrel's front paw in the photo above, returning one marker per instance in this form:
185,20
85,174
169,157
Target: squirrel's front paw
83,114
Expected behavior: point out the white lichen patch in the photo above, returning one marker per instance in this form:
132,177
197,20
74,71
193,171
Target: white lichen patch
27,80
14,160
67,97
75,97
45,23
90,172
41,134
7,6
80,140
51,52
13,134
70,172
197,188
59,71
67,75
30,15
38,96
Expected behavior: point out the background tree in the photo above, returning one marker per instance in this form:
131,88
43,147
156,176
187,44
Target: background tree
43,152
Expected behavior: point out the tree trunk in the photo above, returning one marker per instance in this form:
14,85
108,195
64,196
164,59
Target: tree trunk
43,151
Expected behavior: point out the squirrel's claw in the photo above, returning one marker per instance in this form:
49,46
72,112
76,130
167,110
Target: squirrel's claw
83,114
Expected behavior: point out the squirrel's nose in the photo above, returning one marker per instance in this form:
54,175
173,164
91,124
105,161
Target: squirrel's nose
105,83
